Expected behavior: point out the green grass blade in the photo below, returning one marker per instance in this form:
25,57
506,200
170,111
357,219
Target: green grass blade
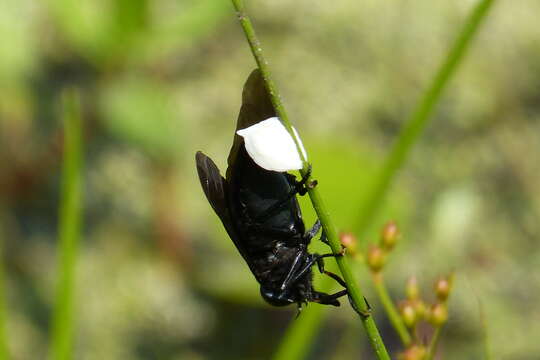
485,330
4,354
420,117
294,344
69,228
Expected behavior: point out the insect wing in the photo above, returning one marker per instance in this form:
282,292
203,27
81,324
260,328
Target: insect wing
256,103
256,107
215,187
212,183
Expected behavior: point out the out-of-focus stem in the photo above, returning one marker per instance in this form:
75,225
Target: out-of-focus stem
69,228
3,309
432,349
485,333
419,119
391,311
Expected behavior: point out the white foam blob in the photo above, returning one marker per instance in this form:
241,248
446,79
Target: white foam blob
271,146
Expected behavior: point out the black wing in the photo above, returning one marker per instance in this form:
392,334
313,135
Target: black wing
256,107
215,188
213,184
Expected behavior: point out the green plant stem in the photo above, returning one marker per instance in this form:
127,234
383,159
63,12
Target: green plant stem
69,228
432,349
352,285
391,311
419,119
323,214
262,64
485,332
293,345
4,354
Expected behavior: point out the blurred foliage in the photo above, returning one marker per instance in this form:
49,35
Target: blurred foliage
157,276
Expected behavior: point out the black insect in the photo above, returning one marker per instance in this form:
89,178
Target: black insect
262,216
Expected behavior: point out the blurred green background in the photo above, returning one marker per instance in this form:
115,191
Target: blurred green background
157,276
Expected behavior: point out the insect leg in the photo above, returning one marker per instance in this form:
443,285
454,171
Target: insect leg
300,186
363,314
300,308
294,269
324,239
293,275
320,265
329,299
335,277
310,234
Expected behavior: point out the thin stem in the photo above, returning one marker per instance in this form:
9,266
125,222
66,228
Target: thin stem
485,332
69,228
352,285
391,311
4,354
293,345
419,119
432,349
262,64
318,205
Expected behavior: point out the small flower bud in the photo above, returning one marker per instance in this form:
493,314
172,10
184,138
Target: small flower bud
408,313
412,289
414,352
349,241
376,258
420,308
442,288
389,235
438,314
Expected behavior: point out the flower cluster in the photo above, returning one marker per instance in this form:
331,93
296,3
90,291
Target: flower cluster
414,309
